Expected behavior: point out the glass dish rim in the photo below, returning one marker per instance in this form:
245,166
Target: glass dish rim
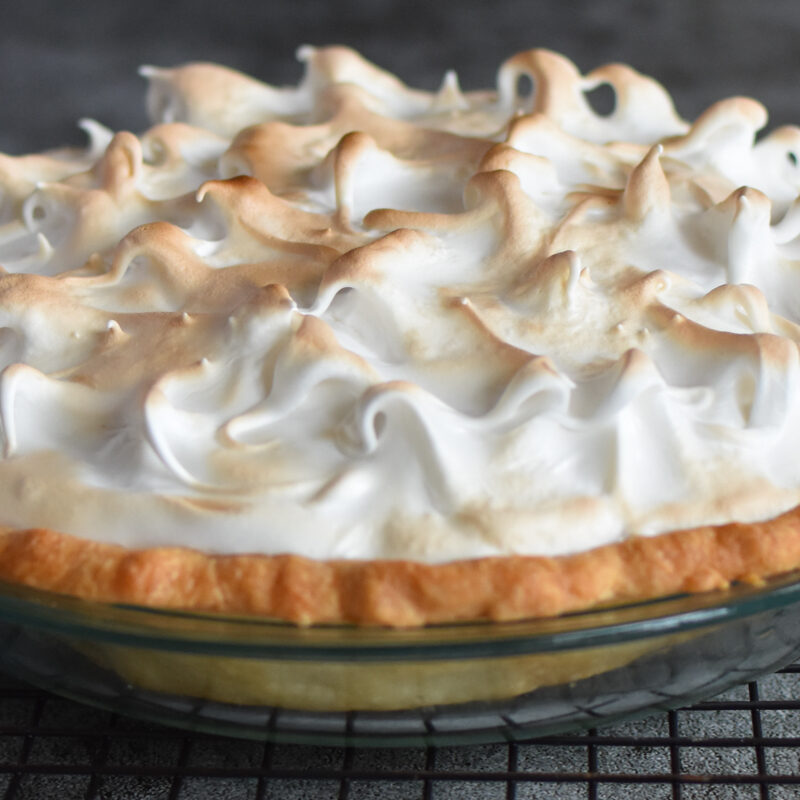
210,634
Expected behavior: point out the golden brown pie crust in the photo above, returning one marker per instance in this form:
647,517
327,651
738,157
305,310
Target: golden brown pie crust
403,593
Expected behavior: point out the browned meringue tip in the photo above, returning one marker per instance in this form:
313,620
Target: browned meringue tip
647,190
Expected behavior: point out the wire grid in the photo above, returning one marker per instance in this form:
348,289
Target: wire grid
742,744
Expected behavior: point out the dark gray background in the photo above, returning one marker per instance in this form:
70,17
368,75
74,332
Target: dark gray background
60,61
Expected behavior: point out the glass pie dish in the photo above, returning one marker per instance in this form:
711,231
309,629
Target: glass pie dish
460,683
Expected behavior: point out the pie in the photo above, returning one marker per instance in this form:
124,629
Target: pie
355,352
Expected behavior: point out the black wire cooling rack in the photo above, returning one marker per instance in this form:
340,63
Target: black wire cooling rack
742,744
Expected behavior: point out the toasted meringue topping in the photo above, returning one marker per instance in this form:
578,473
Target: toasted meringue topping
352,319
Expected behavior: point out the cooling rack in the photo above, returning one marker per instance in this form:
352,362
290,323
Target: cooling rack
742,744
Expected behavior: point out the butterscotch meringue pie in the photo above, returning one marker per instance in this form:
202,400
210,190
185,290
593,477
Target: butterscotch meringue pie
355,352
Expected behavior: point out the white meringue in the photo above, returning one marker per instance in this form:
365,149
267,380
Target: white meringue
356,320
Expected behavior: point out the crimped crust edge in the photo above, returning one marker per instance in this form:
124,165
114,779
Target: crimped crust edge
402,593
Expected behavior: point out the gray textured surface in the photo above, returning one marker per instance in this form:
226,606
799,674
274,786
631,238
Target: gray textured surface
60,62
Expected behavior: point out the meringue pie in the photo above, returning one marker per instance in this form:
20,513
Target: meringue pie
355,352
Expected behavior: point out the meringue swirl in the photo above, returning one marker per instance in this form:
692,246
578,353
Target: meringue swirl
352,319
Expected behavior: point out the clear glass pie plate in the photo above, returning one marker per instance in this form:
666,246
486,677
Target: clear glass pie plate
465,683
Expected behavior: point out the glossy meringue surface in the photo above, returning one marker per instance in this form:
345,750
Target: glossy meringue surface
351,319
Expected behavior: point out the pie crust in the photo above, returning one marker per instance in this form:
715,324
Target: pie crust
404,593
